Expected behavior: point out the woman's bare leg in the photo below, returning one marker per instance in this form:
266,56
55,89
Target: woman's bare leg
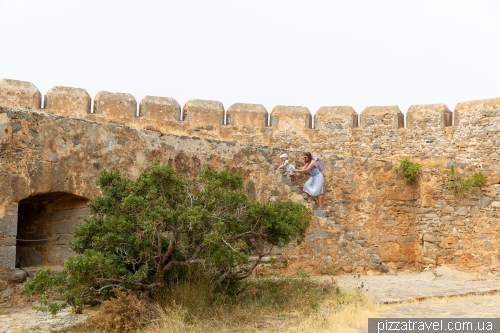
320,201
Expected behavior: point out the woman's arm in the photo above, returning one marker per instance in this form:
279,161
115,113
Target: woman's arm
306,168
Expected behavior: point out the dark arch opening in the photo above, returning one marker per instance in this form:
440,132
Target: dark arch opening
45,227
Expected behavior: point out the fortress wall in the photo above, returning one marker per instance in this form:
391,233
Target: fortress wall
380,132
404,223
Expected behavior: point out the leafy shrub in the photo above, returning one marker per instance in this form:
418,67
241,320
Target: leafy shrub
408,169
460,186
141,230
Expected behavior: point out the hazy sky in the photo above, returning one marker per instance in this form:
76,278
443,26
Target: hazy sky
305,53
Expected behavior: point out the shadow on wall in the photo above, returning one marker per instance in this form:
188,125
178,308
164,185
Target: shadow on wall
45,226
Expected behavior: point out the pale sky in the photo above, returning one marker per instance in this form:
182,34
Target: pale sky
304,53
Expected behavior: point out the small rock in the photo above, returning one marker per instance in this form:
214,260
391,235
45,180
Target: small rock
391,272
19,275
493,128
384,268
320,213
3,285
7,293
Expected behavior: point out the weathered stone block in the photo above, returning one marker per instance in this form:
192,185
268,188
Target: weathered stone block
19,94
8,225
335,118
28,257
432,238
202,113
158,111
242,115
321,233
493,128
11,241
10,275
115,107
462,211
8,256
348,236
320,213
385,116
315,247
428,115
72,102
471,108
76,213
311,236
291,118
58,254
64,227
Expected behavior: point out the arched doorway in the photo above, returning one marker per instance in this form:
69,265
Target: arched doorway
45,227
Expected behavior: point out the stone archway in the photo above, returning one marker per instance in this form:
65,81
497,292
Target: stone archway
45,226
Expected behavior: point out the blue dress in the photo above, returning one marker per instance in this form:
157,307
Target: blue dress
314,185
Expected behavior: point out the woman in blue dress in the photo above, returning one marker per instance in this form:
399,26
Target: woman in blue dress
314,186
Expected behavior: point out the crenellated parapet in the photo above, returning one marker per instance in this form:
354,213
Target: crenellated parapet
115,107
477,112
71,102
382,117
335,118
248,116
428,115
159,113
378,132
247,122
19,94
290,118
203,114
291,125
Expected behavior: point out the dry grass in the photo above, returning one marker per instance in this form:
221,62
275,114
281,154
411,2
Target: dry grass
330,317
269,304
124,312
272,304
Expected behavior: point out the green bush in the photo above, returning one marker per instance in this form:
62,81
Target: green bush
141,230
408,169
460,186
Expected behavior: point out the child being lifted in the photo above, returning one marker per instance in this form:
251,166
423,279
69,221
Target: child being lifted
288,167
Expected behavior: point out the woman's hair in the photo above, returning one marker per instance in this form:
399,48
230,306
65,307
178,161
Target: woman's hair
309,157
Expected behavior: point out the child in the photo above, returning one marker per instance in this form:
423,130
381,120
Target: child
288,167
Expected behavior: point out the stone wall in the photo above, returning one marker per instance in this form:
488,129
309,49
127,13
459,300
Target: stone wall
43,154
368,203
379,133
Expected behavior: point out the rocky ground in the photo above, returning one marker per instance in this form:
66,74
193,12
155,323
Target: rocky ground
404,287
24,318
439,293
